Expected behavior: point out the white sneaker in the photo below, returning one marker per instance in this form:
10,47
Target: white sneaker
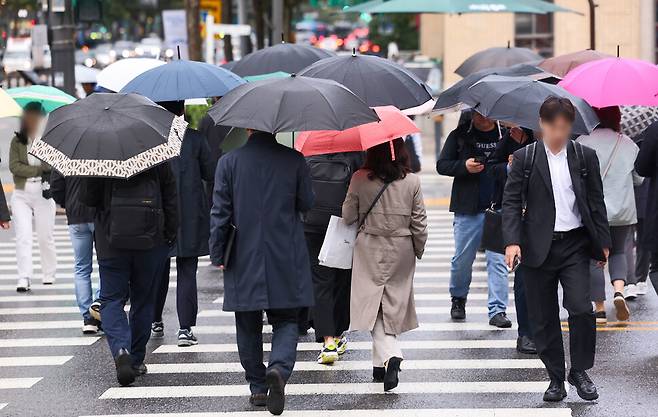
641,288
23,285
48,280
630,292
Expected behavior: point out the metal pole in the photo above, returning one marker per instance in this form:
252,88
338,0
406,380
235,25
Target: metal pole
592,24
277,20
62,46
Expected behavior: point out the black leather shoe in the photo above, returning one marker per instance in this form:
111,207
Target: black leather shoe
500,320
378,373
458,309
584,386
392,369
276,398
140,369
555,392
258,400
124,367
526,345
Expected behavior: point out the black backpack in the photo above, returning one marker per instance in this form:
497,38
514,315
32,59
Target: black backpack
330,176
136,217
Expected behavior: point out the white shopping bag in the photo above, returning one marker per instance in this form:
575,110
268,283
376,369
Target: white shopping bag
338,246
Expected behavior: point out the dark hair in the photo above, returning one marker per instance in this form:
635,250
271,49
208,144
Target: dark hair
381,164
31,107
176,107
554,107
610,117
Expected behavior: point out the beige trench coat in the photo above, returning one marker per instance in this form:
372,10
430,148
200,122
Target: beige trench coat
385,252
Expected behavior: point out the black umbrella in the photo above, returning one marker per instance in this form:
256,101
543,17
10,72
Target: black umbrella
499,57
286,57
109,135
377,81
292,104
450,99
518,99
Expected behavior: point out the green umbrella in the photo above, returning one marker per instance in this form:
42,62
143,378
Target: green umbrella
457,6
51,98
268,76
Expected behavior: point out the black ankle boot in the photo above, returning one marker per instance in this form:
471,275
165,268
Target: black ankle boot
392,369
378,373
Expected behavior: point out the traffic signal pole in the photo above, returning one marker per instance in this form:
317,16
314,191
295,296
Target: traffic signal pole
61,35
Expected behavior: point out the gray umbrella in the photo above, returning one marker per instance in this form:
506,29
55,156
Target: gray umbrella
285,57
499,57
450,99
518,99
292,104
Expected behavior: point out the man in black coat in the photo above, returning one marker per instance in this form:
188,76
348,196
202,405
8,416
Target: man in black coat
5,218
553,223
262,189
194,166
646,165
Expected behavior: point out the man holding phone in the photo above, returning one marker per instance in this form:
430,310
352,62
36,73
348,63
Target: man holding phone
554,221
465,157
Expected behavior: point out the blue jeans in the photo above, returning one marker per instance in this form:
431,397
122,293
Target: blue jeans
468,234
133,275
82,239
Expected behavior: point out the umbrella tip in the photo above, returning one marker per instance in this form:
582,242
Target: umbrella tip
178,49
107,108
509,44
283,39
293,75
617,51
353,51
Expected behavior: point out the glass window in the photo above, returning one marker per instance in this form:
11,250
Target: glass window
535,31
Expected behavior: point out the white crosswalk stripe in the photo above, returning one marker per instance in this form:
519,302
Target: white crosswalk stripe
425,412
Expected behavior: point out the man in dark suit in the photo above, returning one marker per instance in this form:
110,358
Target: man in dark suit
554,221
262,188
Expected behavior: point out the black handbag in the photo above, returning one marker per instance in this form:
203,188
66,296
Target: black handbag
492,232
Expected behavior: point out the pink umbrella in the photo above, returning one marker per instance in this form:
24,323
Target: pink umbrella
614,82
394,124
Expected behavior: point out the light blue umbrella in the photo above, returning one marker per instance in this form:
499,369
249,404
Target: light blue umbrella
181,80
457,6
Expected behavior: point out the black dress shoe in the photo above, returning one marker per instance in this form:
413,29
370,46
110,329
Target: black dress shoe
500,320
458,309
555,392
392,369
378,373
276,398
140,369
584,386
124,366
258,400
526,345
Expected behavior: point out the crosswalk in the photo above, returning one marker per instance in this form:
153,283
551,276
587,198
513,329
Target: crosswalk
445,363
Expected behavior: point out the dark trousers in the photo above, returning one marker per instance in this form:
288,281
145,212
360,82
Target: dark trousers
525,327
249,332
186,294
568,264
642,254
130,275
331,286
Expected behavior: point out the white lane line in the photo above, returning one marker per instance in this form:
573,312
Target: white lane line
396,412
419,310
446,275
49,341
453,387
3,405
59,286
216,367
34,360
446,285
312,347
62,275
422,297
38,325
37,310
18,383
28,298
424,327
37,266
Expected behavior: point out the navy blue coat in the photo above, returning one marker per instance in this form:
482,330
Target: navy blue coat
262,188
194,166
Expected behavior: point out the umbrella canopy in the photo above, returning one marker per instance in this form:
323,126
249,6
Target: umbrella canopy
518,99
286,57
51,98
457,6
278,74
377,81
109,135
394,124
293,104
181,80
498,57
561,65
636,119
450,99
615,82
115,76
86,75
8,106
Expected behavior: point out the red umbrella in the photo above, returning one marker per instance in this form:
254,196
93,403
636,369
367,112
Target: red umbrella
394,124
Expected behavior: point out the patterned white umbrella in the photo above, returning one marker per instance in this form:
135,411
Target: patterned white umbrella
635,119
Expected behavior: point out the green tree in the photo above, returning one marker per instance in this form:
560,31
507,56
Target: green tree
398,28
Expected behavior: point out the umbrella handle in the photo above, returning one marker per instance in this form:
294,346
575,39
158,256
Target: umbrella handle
390,143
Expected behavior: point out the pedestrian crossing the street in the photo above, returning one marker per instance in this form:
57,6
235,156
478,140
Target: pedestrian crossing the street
448,366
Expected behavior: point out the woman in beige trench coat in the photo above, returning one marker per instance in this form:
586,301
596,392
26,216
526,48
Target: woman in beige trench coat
390,239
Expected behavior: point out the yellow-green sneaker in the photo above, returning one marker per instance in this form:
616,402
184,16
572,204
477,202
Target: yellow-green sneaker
341,345
328,354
